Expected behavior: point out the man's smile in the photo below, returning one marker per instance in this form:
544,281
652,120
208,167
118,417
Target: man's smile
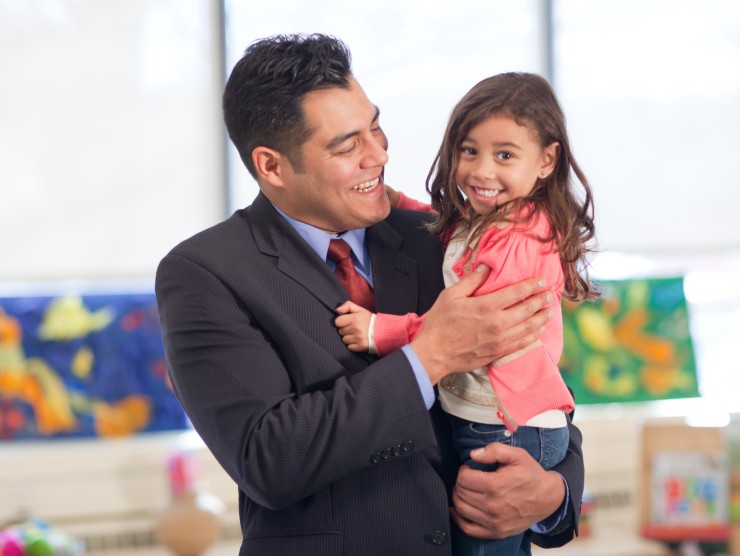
366,185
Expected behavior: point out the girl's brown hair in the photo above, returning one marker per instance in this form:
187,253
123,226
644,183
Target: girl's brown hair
530,101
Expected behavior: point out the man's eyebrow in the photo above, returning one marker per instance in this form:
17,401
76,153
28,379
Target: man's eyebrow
342,138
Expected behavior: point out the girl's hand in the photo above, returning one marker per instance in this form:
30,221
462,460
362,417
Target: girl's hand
354,326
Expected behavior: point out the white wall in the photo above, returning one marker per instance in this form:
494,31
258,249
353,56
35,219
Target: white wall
110,142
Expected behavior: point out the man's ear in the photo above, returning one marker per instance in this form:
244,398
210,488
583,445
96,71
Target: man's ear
549,159
270,165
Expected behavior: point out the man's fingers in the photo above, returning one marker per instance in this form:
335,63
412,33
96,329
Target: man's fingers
470,480
491,453
496,452
521,294
467,286
526,327
475,511
469,527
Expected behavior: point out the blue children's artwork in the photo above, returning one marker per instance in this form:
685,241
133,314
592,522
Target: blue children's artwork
83,366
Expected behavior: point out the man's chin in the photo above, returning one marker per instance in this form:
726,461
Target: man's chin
382,211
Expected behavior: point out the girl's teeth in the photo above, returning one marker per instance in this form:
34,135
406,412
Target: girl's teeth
486,192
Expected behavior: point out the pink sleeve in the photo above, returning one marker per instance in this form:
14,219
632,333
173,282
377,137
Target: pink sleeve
529,382
408,203
392,332
513,257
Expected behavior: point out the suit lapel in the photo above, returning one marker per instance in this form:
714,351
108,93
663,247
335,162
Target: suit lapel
395,278
276,238
394,273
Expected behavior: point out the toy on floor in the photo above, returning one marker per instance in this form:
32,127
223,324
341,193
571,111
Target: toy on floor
37,538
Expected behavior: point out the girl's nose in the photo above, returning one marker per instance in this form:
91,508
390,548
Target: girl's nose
483,168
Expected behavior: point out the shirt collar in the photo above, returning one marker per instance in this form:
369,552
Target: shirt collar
319,239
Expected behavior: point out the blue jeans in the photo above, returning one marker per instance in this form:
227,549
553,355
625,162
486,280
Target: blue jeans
546,446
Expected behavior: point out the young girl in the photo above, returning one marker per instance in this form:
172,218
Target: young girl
501,185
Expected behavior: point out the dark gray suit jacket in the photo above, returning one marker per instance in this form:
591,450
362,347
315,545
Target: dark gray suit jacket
333,452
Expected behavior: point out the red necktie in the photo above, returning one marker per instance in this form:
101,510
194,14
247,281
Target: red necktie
357,287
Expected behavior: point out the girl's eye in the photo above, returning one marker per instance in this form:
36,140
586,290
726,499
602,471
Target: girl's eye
469,151
504,155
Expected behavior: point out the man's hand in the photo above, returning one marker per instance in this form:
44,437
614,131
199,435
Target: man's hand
507,501
354,325
462,333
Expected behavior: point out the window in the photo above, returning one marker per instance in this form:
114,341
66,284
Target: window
414,58
110,143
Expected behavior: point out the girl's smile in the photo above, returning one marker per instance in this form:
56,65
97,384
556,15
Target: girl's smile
500,161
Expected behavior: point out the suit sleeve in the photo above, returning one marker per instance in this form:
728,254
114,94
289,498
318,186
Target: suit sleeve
279,440
572,470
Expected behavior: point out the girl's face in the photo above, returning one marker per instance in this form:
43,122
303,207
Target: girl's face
500,161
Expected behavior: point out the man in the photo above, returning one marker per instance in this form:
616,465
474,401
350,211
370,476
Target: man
336,452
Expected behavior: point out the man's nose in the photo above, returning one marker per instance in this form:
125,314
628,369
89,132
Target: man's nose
377,152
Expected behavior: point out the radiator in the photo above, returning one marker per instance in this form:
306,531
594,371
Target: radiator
108,492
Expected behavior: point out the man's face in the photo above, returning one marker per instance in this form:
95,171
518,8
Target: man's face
339,186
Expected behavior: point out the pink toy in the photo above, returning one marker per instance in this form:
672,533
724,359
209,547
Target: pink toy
11,544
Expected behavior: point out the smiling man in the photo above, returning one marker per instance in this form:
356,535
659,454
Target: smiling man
337,452
335,183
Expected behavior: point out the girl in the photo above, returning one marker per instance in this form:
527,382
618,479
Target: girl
502,189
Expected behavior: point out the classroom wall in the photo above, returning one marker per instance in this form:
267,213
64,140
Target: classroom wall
112,150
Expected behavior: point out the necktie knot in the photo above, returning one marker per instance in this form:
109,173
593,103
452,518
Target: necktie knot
339,250
357,287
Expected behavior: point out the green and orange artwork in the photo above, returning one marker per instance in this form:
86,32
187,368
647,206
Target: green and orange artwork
632,344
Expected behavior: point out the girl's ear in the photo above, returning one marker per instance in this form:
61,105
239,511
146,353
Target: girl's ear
549,159
270,165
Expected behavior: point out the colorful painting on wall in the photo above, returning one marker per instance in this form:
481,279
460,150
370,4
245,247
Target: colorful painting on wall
633,344
83,366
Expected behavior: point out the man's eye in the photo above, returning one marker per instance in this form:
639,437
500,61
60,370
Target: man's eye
348,149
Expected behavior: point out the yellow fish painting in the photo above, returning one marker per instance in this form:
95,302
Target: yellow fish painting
67,318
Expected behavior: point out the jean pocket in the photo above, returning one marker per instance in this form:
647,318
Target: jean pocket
553,446
485,433
468,436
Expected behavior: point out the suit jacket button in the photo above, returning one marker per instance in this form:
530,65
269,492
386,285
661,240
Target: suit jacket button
439,537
